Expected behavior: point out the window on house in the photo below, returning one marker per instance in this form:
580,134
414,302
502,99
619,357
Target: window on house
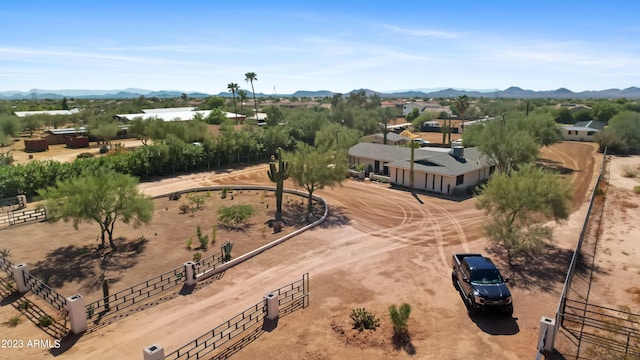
569,132
459,179
492,168
590,133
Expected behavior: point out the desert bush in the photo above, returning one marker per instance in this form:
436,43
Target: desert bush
223,193
364,319
214,231
203,239
5,253
197,200
85,155
45,320
189,242
24,305
630,171
236,215
197,256
226,249
636,189
399,317
184,208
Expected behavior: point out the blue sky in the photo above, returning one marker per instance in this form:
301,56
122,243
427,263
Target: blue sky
322,45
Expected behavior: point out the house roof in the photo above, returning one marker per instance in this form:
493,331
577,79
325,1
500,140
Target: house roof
178,109
425,160
174,115
67,131
391,136
591,125
44,112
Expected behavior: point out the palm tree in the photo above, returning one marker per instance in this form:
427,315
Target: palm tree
462,105
243,96
233,87
251,77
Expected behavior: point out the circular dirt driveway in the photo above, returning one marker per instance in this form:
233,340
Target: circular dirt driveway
380,246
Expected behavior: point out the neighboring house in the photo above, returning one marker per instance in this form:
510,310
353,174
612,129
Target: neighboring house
58,136
392,139
440,170
582,131
424,106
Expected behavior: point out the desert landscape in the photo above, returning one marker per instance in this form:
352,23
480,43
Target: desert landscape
379,246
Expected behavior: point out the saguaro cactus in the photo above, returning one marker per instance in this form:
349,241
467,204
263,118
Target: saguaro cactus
278,174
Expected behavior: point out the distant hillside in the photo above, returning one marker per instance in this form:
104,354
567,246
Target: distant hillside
511,92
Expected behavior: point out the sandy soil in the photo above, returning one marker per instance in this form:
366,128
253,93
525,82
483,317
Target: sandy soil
380,246
59,152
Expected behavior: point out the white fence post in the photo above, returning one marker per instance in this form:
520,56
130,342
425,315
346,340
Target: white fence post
18,277
153,352
550,326
272,306
77,314
22,201
189,270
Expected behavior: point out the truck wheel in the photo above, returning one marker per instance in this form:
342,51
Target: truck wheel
471,308
454,280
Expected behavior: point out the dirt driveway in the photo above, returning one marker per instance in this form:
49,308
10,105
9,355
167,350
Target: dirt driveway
380,246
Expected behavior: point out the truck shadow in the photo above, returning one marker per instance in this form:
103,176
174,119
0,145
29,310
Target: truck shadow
496,324
492,322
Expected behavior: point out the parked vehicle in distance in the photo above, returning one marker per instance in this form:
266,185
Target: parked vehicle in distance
480,283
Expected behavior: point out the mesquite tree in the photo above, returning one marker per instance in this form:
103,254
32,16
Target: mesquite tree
278,175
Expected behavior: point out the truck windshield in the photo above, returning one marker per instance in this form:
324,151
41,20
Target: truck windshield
486,277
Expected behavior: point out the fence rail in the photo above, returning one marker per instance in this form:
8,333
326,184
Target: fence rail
614,329
209,263
290,294
6,265
134,294
22,217
218,336
43,290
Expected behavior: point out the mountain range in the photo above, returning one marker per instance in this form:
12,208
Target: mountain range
512,92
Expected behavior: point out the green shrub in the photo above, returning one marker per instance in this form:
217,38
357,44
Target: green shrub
203,239
85,155
223,193
363,319
197,256
636,189
189,242
5,253
399,317
45,320
24,305
236,215
184,208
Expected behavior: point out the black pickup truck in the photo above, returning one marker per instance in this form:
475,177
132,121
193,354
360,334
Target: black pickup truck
480,283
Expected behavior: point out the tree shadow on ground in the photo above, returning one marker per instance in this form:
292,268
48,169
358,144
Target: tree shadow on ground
496,324
542,271
336,218
295,213
72,263
402,341
555,167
